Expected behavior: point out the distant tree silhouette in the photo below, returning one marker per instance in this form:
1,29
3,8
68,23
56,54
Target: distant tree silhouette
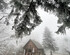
48,41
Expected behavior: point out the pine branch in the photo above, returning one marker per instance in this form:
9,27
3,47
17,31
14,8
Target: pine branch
29,13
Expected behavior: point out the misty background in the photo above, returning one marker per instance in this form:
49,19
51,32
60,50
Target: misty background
49,20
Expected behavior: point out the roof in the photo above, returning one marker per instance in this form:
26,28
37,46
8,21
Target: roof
37,44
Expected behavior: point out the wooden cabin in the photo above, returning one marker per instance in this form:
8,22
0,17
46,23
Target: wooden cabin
32,47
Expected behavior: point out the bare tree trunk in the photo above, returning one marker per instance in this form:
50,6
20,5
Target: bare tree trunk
51,52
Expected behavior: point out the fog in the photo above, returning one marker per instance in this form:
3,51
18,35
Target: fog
49,20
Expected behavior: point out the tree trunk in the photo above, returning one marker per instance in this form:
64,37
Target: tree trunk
51,52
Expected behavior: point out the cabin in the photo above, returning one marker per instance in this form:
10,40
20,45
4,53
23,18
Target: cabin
32,47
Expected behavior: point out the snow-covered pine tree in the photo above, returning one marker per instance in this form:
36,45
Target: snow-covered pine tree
3,5
27,17
65,46
49,42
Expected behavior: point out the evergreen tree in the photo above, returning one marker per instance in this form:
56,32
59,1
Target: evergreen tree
3,5
24,23
48,41
66,45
